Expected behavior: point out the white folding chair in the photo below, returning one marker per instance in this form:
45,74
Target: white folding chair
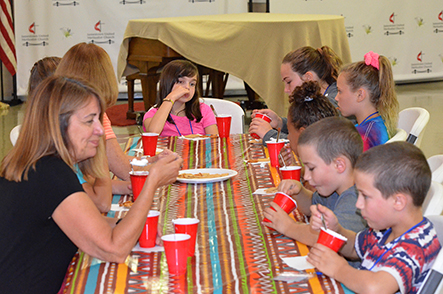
401,135
433,282
436,164
414,120
433,204
223,106
13,135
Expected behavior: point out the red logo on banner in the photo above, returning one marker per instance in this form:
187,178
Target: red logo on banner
391,18
32,28
440,15
98,26
419,56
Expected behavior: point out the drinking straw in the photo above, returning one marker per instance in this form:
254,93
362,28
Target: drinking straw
213,109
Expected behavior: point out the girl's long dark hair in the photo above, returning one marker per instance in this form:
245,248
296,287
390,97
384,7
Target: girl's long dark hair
169,77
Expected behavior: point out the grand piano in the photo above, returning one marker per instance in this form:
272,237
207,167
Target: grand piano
149,56
249,46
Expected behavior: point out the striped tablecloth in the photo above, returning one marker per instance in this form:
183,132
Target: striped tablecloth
234,253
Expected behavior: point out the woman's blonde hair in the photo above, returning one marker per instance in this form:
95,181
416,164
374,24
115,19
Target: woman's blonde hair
45,125
91,63
381,87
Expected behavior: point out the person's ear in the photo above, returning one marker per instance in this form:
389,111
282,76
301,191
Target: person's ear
340,164
361,94
400,201
308,76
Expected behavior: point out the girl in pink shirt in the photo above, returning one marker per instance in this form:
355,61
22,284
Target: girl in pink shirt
178,111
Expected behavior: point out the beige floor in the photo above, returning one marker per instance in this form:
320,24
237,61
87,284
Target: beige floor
426,95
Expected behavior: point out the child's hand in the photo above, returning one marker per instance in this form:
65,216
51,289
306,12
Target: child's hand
329,216
280,220
326,260
276,121
290,187
259,126
177,92
288,157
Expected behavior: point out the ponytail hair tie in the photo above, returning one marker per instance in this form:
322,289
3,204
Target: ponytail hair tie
307,99
371,58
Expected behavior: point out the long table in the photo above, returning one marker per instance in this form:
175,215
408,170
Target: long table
250,46
235,253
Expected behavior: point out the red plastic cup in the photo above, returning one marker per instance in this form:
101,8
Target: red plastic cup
176,250
149,143
224,125
149,233
138,179
263,117
187,226
274,151
331,239
292,172
285,202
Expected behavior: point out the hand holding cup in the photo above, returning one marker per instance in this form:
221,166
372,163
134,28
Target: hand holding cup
276,121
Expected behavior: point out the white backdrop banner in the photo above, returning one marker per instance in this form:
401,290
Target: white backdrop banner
409,33
49,28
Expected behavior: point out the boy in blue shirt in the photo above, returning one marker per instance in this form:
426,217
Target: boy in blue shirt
400,245
328,149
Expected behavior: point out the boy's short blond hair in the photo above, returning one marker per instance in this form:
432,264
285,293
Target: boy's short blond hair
333,137
397,167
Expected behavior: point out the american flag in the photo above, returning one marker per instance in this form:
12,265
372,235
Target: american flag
7,40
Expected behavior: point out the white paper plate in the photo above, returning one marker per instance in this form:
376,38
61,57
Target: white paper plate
230,173
195,139
140,150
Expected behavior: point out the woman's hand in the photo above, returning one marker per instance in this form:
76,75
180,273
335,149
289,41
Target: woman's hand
165,170
164,153
276,121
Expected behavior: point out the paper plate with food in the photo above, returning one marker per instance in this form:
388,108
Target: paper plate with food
205,175
257,161
266,191
195,137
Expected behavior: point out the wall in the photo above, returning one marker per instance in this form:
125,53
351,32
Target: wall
409,33
51,27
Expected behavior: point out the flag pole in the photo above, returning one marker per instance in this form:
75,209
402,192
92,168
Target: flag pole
15,100
1,76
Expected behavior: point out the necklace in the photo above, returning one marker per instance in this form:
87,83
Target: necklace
180,134
393,243
326,94
368,117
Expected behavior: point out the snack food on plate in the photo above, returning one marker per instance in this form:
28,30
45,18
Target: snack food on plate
126,204
271,190
201,175
258,160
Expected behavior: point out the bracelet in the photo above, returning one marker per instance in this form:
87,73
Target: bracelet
119,220
167,99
